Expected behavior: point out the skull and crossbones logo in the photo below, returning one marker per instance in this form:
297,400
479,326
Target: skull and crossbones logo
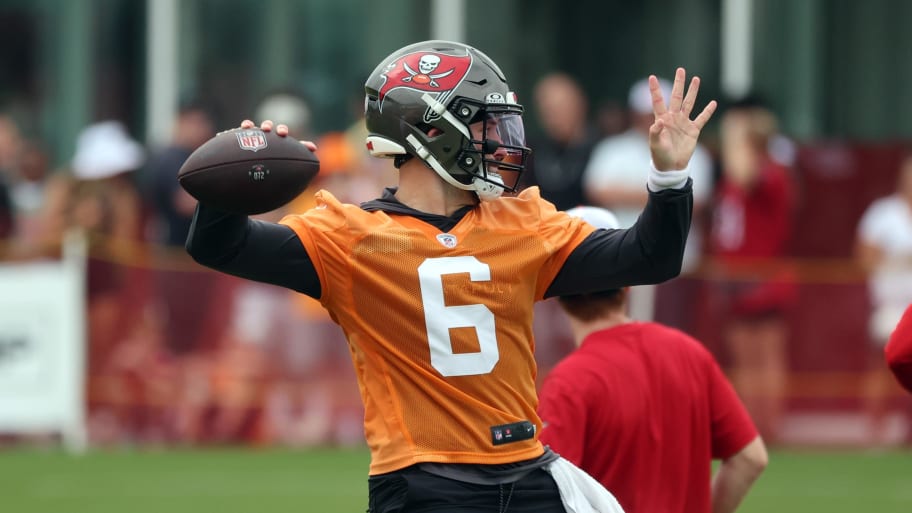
425,74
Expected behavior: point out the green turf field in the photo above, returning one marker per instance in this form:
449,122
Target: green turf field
246,481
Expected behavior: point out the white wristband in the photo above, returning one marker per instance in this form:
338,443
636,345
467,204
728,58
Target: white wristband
660,180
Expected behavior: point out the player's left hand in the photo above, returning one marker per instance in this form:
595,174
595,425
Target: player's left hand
673,135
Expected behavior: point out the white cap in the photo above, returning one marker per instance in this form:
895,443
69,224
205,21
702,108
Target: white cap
287,109
640,99
596,216
104,150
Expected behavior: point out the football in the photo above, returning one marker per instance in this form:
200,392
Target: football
248,171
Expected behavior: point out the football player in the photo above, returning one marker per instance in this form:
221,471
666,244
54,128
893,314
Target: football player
645,408
434,282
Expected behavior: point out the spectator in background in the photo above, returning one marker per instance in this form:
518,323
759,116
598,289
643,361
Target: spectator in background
103,201
28,193
562,153
614,179
99,197
290,107
645,408
190,302
751,227
614,176
174,206
10,145
884,250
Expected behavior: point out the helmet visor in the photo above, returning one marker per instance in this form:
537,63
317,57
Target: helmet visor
503,145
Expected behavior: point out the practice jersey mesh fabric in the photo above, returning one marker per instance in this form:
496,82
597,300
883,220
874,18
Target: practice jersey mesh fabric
440,324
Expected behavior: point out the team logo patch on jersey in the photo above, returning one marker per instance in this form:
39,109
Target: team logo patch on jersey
448,240
251,140
425,71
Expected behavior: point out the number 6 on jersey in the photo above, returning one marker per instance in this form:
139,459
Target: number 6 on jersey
440,318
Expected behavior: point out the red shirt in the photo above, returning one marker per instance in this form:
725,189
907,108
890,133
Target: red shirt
755,222
899,350
644,408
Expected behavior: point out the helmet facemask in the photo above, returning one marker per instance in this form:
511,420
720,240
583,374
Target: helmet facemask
494,154
489,139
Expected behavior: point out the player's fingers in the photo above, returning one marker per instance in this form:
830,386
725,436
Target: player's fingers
281,130
677,90
247,124
266,125
704,116
658,103
691,98
656,128
310,145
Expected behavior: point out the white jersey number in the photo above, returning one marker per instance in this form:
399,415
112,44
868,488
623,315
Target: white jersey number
440,318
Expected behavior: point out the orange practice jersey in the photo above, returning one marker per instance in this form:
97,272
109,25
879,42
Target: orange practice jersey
440,324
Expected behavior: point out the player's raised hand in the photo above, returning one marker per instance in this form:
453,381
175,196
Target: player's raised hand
673,135
280,130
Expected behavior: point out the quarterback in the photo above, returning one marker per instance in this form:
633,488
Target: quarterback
434,282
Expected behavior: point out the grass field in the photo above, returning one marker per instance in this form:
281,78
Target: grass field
247,481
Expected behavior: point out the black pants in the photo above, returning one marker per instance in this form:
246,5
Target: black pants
412,490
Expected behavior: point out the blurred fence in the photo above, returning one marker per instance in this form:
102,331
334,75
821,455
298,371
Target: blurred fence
183,355
178,354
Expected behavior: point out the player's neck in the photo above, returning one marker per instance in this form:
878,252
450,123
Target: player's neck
581,329
420,188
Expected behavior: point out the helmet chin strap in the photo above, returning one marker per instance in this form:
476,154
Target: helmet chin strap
486,190
432,161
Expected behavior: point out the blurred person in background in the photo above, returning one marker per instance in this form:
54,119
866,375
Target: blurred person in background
884,250
754,290
98,196
418,277
898,351
290,107
28,193
173,205
102,200
614,179
556,166
561,154
645,409
10,146
191,303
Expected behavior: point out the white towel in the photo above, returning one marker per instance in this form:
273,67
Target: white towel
579,492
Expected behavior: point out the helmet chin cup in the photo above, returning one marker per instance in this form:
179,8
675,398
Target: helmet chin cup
487,189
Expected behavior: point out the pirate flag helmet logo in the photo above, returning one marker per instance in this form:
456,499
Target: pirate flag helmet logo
426,71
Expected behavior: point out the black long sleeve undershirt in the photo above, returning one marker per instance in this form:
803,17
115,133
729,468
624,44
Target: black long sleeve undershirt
649,252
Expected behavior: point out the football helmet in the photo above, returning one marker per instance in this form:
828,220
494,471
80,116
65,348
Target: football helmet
449,105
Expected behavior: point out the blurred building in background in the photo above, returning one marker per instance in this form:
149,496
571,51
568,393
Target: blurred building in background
266,367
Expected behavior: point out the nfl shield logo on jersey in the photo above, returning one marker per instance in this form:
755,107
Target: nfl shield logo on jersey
447,240
251,140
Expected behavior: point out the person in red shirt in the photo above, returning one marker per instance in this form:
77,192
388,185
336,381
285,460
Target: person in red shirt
644,409
899,350
753,288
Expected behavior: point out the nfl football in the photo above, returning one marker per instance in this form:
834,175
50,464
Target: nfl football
248,171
